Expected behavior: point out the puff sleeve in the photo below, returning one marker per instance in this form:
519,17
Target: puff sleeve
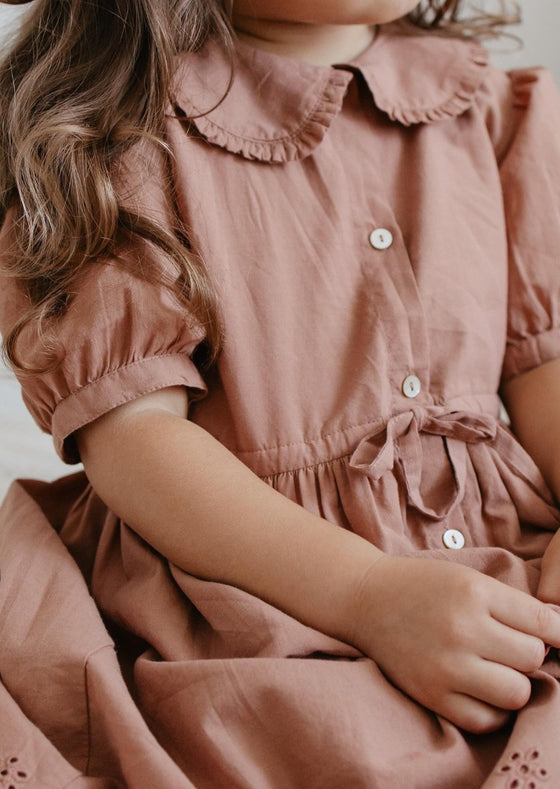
527,132
122,337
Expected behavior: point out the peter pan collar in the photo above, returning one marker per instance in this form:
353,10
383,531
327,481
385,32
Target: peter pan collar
278,109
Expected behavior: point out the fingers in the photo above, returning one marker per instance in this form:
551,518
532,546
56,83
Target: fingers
472,715
512,648
522,612
488,696
496,685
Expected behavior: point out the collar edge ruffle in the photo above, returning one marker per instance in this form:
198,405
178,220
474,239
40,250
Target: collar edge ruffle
289,145
455,104
285,144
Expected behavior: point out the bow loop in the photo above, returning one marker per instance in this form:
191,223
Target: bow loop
375,454
398,446
461,425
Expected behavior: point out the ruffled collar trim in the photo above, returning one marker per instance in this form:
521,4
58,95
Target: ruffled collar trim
278,109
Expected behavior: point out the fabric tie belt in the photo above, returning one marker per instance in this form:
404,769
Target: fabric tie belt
399,444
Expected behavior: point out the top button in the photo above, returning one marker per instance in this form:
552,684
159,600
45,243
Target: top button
381,238
411,386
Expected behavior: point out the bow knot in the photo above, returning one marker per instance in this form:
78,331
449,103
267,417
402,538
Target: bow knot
399,444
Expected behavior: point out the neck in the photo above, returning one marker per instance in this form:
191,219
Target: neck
320,44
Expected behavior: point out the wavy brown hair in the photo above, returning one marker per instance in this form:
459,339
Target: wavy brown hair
84,81
450,17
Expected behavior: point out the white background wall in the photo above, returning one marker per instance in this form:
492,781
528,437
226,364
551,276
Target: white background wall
24,451
540,32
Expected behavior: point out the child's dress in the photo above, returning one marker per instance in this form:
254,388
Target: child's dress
384,237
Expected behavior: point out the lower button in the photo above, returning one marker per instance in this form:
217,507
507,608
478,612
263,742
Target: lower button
453,538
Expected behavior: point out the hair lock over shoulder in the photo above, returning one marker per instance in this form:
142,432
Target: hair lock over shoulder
84,83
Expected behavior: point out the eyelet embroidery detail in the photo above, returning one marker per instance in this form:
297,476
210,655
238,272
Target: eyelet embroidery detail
523,770
12,775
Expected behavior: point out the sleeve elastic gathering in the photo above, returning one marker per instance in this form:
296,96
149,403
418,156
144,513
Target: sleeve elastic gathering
530,174
122,338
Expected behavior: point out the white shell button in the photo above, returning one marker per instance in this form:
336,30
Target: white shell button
411,386
454,539
381,238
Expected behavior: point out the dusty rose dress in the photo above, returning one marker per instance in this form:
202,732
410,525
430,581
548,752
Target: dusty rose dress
384,236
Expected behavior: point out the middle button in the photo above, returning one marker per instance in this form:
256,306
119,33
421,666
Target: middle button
381,238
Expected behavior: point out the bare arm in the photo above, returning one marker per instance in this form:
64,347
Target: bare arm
453,639
190,498
533,402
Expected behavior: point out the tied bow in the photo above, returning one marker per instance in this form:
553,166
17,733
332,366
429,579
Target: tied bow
399,443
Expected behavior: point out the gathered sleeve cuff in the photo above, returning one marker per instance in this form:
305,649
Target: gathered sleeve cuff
115,388
121,335
120,338
529,159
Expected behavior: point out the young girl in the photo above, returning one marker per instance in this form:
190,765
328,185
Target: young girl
267,285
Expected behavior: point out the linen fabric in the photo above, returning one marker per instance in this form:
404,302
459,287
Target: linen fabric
280,182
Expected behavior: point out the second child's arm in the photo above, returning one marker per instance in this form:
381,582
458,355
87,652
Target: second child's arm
458,642
533,403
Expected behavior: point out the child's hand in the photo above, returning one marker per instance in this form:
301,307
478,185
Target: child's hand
458,642
549,584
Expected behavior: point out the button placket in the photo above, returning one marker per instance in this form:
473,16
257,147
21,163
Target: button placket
399,304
